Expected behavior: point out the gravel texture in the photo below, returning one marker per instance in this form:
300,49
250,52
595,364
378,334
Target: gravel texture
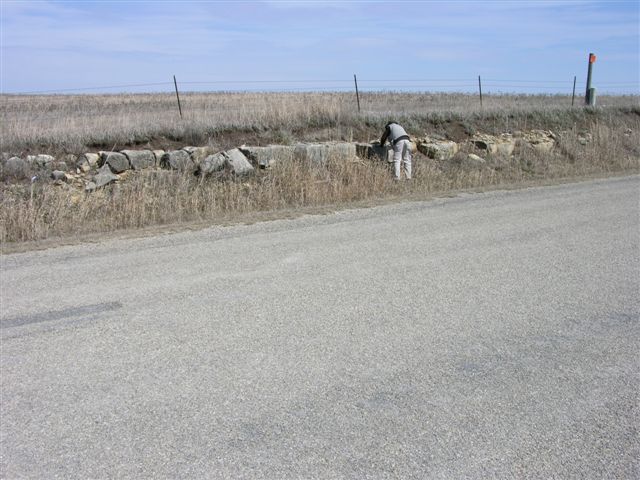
487,335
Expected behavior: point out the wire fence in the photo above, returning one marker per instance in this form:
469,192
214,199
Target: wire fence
432,85
87,111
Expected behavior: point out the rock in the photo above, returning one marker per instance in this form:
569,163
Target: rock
321,152
158,154
373,151
58,175
485,142
364,150
211,164
177,160
90,187
189,150
237,162
139,159
541,141
313,152
92,159
16,167
505,145
84,167
41,161
474,160
198,154
60,166
116,161
438,149
264,157
103,178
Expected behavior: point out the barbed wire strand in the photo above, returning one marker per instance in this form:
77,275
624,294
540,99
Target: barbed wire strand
363,83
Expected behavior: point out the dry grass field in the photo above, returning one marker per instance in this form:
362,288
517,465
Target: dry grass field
77,124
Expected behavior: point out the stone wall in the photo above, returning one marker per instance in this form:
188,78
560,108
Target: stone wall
93,170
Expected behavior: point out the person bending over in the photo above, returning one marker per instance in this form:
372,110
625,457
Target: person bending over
401,143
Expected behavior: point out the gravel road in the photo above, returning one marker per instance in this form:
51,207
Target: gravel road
486,335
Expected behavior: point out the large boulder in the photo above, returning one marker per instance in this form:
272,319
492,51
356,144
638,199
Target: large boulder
375,151
16,167
264,157
198,154
313,152
505,145
321,152
158,154
438,149
485,142
542,141
117,161
102,178
89,160
237,162
177,160
213,163
140,159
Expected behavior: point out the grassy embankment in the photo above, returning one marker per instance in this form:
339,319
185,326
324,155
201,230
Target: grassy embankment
76,124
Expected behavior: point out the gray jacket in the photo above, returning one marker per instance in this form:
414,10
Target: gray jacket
393,132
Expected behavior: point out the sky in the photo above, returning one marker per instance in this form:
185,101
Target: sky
138,46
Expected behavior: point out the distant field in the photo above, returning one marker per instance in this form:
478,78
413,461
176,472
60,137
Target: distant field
75,123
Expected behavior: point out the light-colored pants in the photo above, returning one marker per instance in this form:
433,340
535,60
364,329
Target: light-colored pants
402,152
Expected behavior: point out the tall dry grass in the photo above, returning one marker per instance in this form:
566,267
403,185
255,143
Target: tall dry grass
75,123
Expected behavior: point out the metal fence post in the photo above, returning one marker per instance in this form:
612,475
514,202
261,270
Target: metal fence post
480,88
357,94
177,95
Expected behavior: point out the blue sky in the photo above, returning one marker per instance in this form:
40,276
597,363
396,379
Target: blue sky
529,46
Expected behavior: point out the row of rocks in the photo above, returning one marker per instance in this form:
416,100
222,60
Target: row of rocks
102,168
542,141
95,170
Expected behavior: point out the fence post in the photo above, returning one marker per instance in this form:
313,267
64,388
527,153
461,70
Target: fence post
177,95
357,94
573,96
480,88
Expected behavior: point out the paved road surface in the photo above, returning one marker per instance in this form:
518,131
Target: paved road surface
489,335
